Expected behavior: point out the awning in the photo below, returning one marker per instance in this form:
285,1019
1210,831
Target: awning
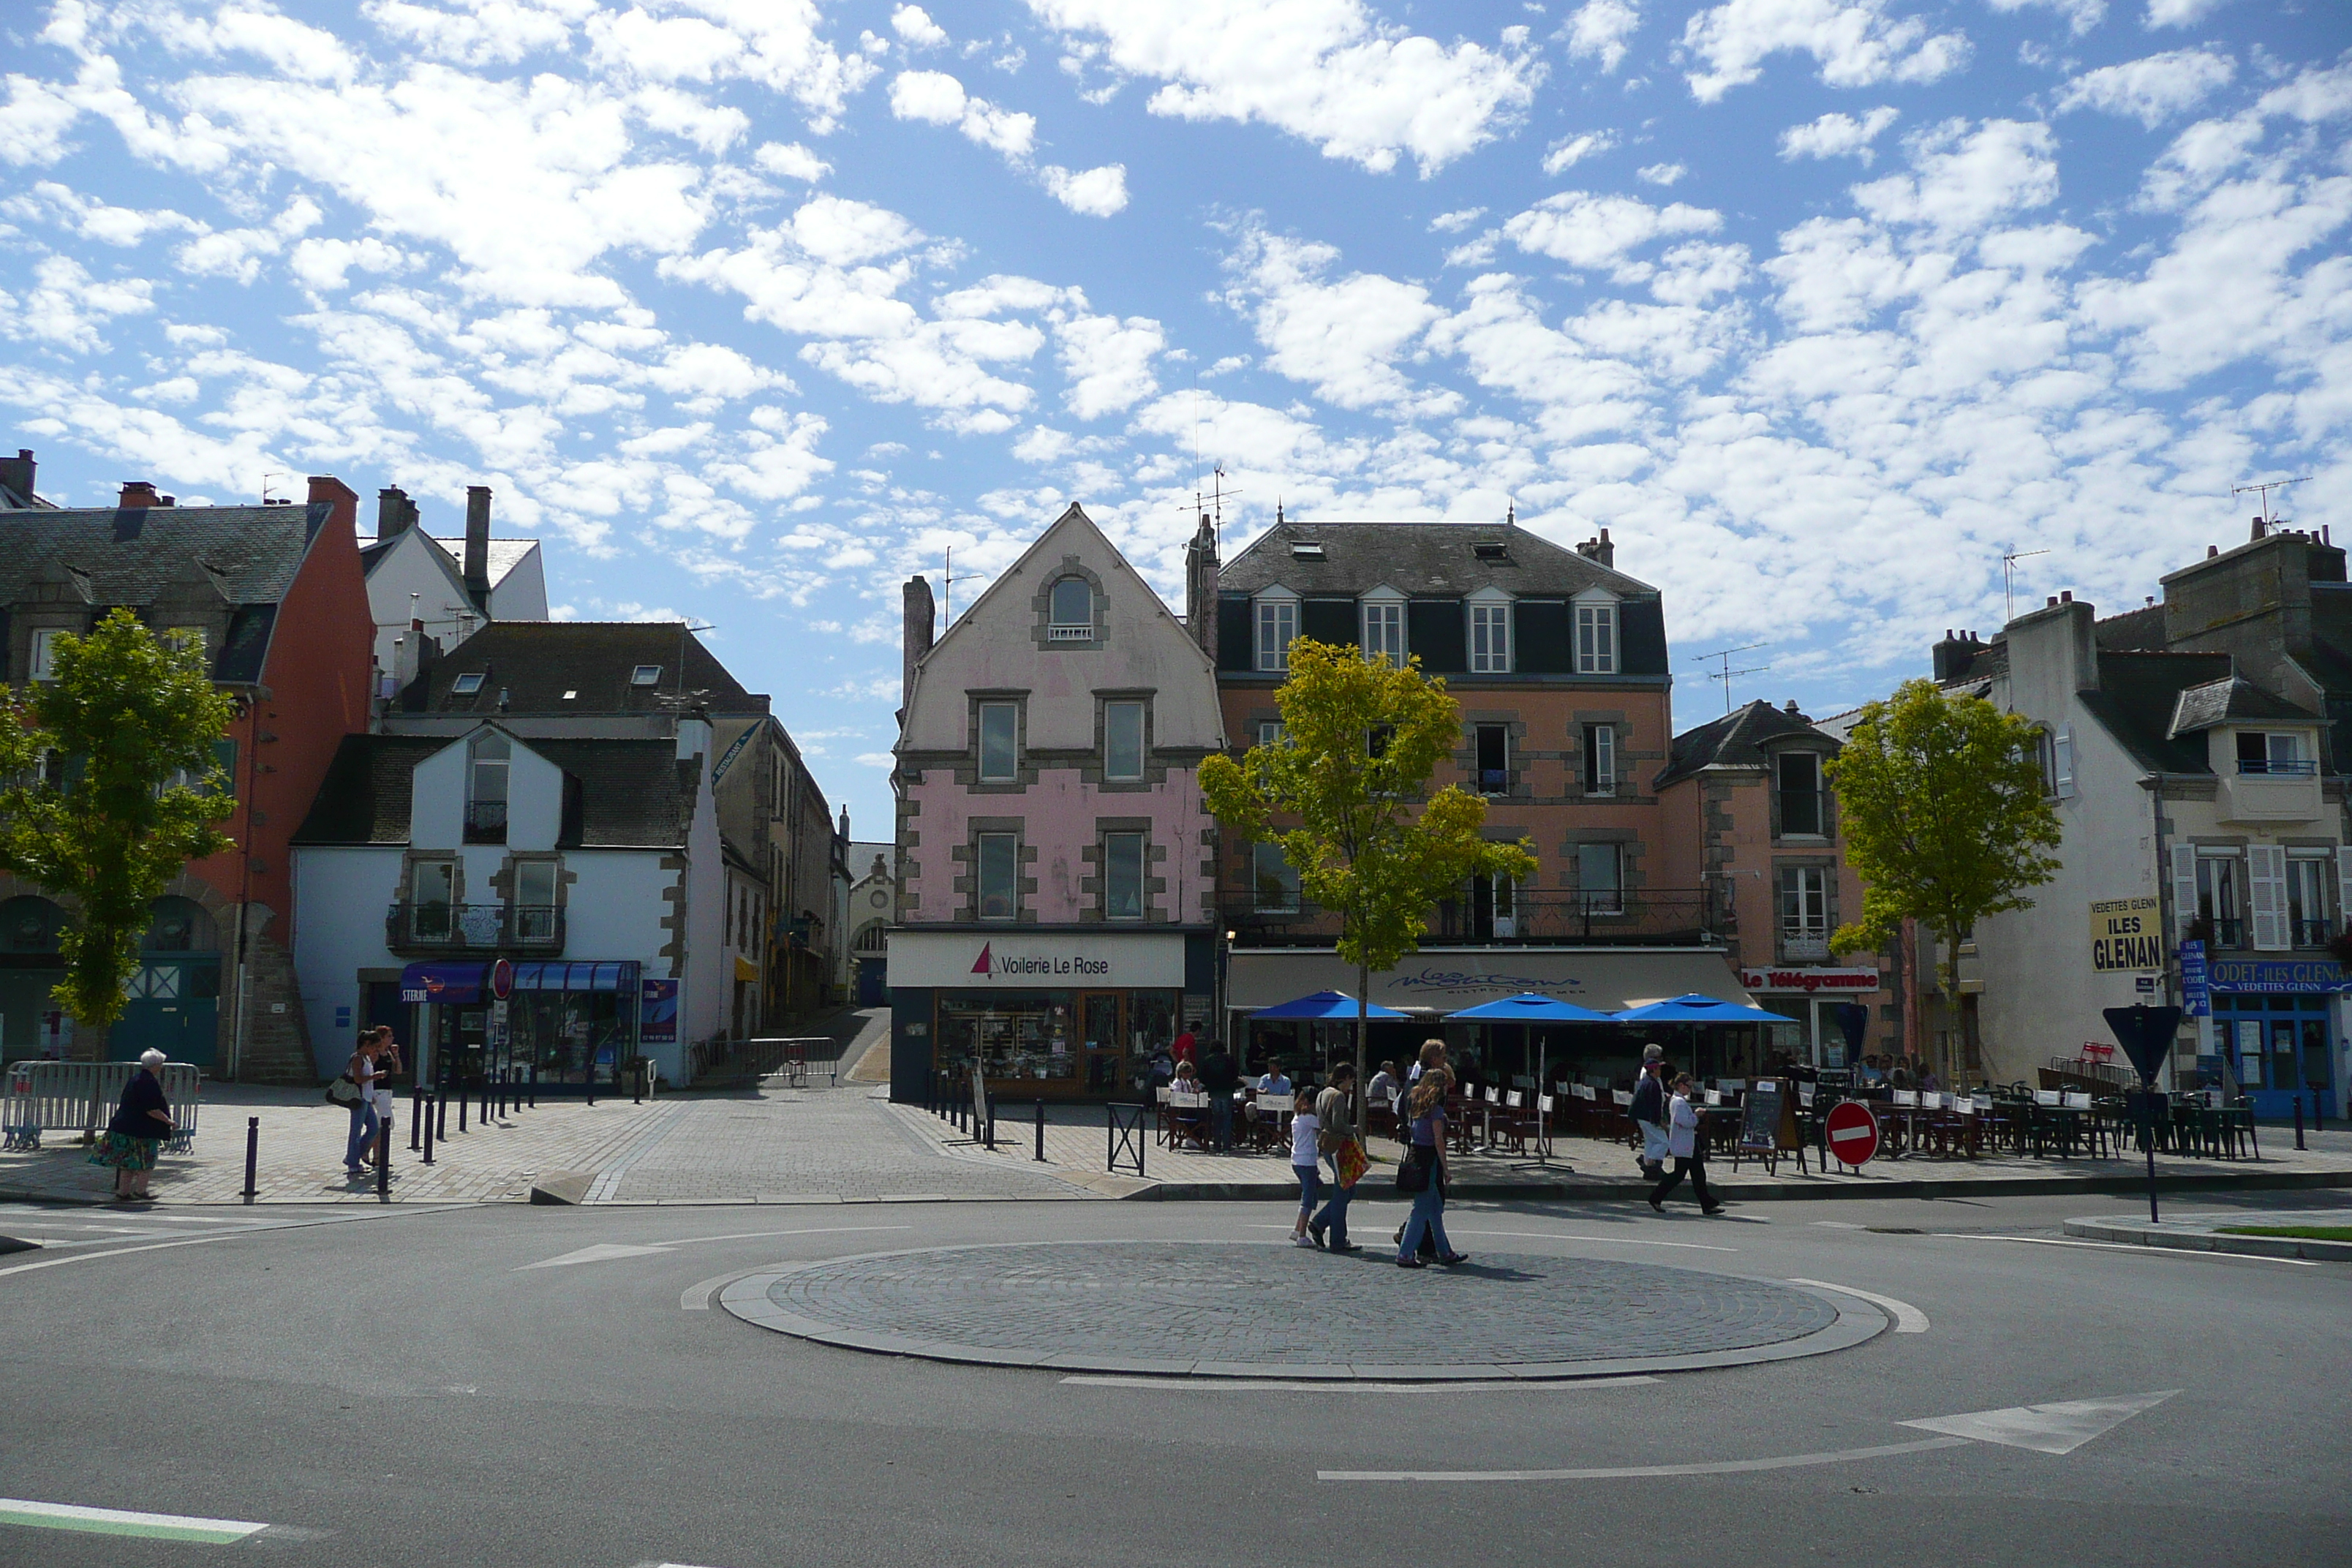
552,975
445,984
1609,980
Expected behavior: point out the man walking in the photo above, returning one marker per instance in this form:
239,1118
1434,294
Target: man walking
1689,1149
1219,1079
1649,1111
1341,1133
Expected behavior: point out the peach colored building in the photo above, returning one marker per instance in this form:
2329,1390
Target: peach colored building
1748,812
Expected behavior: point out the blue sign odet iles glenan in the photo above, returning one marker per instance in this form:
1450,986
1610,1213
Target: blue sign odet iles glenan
2276,974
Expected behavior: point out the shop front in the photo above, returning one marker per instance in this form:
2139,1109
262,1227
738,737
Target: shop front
1830,1007
567,1020
2280,1023
1047,1014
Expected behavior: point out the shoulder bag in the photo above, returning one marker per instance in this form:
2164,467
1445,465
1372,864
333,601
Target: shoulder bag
343,1091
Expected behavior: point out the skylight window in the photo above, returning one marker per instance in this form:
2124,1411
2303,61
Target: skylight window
1491,551
1307,550
467,684
646,675
570,696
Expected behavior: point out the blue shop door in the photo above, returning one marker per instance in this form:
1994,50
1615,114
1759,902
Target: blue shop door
174,1007
873,986
2286,1057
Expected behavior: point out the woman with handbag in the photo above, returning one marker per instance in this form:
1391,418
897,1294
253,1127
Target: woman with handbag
1423,1171
361,1074
1687,1143
135,1136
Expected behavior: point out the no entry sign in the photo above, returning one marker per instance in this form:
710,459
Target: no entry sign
502,978
1853,1131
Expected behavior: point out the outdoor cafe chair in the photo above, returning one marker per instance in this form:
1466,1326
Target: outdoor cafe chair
1189,1120
1515,1124
1269,1120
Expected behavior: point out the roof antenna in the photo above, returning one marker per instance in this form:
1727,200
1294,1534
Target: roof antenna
273,474
2009,576
2264,492
947,591
1727,673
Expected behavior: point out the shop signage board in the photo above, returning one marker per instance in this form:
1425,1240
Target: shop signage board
1014,960
2196,989
2125,936
658,1013
1853,1133
1766,1120
1794,978
2306,975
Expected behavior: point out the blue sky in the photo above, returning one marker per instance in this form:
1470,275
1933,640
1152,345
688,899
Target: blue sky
751,308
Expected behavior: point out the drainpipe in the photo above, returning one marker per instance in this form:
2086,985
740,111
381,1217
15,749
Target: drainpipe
245,895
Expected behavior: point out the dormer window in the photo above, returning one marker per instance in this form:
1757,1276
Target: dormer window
467,684
1596,636
1277,628
488,762
1383,614
1491,551
646,675
1490,633
1071,611
1307,550
2275,751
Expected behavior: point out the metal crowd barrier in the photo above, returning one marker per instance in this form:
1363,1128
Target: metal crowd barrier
81,1097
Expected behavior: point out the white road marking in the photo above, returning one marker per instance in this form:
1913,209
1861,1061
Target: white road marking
121,1521
2123,1246
1838,1225
1334,1385
2059,1428
596,1252
606,1251
1634,1472
1908,1319
226,1235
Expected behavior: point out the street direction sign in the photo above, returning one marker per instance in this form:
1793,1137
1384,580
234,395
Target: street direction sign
1853,1131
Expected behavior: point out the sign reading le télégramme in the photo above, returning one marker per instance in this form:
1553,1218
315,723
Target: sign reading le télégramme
2126,936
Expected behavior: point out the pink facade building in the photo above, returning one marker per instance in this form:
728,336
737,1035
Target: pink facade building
1056,864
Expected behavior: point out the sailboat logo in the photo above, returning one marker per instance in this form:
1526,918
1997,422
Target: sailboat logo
979,965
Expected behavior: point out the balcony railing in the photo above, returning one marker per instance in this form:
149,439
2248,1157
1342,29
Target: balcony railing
2313,933
1494,781
1659,916
474,928
2279,767
1802,944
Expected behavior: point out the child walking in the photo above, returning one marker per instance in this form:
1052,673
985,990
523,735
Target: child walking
1304,1157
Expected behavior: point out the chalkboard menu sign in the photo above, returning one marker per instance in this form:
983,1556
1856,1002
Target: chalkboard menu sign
1762,1115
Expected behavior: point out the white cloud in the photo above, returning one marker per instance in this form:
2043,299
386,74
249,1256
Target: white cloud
92,218
1322,69
937,99
791,161
323,264
1838,136
2180,13
1343,337
34,121
1566,155
2150,91
1661,173
1855,42
1108,361
772,42
1098,193
1455,222
2082,16
66,306
1963,180
485,32
1592,231
1597,30
914,26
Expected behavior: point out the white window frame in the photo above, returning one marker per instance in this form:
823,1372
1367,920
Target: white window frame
1268,861
1380,623
1599,759
1490,633
1012,772
1781,791
1113,844
1595,634
980,892
1803,899
43,652
1112,710
2308,897
646,675
1057,630
1615,899
1272,733
1274,626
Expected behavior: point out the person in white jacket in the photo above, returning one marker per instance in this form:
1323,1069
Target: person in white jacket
1649,1110
1689,1152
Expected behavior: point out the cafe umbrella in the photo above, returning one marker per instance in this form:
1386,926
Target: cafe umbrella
1323,1006
1694,1008
1528,1007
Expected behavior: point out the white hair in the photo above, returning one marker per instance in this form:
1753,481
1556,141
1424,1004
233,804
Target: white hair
152,1060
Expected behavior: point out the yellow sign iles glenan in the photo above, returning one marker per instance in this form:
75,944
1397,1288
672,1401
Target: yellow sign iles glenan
2126,936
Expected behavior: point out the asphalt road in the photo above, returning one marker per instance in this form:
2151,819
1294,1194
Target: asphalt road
431,1386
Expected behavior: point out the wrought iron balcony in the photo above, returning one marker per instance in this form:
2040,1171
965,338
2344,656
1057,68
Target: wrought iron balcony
1645,916
490,929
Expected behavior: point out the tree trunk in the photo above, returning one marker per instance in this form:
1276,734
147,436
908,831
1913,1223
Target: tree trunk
1362,1117
1955,1050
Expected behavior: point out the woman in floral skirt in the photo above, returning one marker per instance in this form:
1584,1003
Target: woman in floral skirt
141,1124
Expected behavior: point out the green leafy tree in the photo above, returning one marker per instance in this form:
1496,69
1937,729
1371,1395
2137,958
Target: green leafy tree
1941,805
1361,737
97,803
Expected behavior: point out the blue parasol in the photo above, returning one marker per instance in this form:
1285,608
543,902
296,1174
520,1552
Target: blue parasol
1697,1009
1326,1004
1528,1007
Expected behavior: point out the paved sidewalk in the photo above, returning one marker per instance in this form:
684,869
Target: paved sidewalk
1076,1142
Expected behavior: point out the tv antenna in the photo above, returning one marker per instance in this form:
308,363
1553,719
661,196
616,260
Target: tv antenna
947,590
273,474
2264,490
1727,674
1215,510
2008,560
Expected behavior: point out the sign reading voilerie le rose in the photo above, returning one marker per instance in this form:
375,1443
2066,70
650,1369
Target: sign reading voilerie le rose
1047,960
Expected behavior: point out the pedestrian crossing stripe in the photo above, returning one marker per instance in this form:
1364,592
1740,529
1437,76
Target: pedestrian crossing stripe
122,1521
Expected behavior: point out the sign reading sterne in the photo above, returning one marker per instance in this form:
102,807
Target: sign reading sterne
2125,936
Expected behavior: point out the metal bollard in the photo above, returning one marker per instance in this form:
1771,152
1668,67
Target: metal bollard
464,1101
637,1094
534,1083
1040,1131
384,1169
415,1112
2298,1123
988,1135
441,1110
427,1119
252,1156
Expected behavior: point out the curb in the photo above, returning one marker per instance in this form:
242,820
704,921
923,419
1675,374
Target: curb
70,1200
1783,1192
2182,1239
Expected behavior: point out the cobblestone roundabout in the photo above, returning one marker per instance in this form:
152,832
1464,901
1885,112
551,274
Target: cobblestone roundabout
1245,1310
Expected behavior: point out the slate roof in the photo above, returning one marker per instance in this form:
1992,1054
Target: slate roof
1419,558
130,555
1737,739
536,662
619,793
2231,701
2141,629
2137,692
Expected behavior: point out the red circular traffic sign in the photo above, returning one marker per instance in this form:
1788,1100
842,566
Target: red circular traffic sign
1853,1131
502,980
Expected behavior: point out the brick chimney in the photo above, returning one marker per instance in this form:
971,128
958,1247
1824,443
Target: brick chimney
477,546
342,501
1599,551
137,493
396,514
16,474
1200,588
916,637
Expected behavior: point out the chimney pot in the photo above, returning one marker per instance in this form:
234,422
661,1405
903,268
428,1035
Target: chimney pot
917,614
2051,603
395,513
139,493
2065,595
2255,532
2211,551
17,473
